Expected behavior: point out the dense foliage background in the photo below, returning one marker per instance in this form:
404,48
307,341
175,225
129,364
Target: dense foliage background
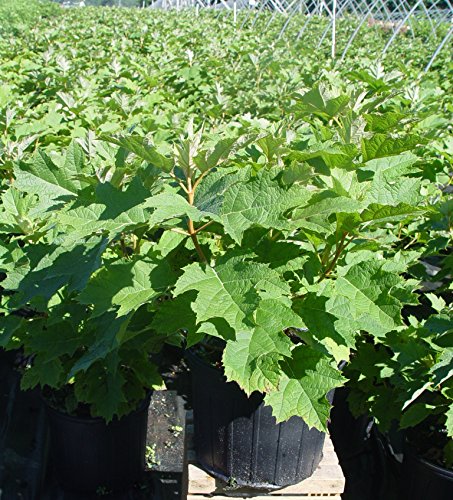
177,176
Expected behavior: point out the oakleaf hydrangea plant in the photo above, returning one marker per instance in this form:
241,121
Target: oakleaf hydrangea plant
275,241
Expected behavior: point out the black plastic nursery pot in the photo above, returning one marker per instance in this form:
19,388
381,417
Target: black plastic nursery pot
7,358
349,434
90,455
238,440
423,480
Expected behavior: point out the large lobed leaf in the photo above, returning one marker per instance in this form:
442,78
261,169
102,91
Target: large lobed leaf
126,285
231,290
261,201
307,377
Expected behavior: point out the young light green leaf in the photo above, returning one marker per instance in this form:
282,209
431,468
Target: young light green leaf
205,160
437,302
317,102
140,147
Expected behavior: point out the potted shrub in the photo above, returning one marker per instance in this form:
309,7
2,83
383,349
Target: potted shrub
403,379
262,251
407,384
281,262
90,353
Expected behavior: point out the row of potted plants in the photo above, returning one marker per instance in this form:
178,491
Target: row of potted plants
271,256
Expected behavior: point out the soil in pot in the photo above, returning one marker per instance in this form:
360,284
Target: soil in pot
89,455
238,440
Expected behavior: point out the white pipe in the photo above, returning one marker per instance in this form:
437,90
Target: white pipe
334,29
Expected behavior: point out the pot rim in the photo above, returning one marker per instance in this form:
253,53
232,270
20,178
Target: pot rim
195,359
438,469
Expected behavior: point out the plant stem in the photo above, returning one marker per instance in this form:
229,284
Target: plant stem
204,226
136,243
341,246
179,231
190,226
123,246
199,179
181,184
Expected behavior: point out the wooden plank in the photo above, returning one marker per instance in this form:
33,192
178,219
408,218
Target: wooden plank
328,481
266,497
325,480
201,482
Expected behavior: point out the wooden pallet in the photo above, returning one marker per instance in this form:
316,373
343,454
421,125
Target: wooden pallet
327,481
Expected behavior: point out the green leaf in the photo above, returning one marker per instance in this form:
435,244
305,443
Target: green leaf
316,101
392,166
297,172
271,146
231,290
442,370
383,122
116,211
55,341
377,213
362,299
42,372
327,204
210,193
306,380
449,422
140,147
437,302
9,325
331,153
50,267
170,205
252,359
126,285
168,242
44,178
385,190
222,150
102,388
22,213
108,209
381,145
105,334
415,414
261,201
175,316
314,310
